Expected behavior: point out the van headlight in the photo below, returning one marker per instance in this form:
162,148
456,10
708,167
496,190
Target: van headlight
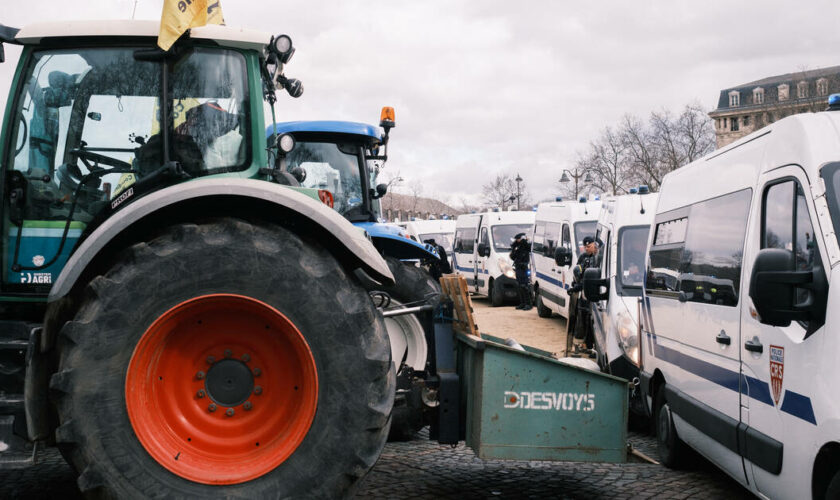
628,337
506,268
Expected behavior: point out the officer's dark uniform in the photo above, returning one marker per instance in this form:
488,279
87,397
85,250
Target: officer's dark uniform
520,254
438,267
583,316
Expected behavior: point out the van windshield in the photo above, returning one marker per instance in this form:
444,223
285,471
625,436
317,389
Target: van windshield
442,239
631,254
503,235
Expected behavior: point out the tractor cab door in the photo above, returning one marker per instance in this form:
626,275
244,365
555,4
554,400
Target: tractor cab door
54,172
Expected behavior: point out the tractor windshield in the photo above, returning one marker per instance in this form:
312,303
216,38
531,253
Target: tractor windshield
92,117
334,167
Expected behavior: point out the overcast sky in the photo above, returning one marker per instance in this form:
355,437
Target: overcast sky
487,87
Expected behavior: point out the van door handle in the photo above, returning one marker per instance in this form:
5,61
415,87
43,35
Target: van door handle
723,338
754,345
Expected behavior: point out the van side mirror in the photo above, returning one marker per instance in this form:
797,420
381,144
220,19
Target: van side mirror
563,256
593,285
773,285
483,250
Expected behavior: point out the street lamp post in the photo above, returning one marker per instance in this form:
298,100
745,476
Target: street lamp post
575,175
518,195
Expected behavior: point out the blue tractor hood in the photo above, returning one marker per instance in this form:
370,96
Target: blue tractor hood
393,241
367,133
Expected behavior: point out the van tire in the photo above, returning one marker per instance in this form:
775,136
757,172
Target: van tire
235,262
496,294
672,449
542,310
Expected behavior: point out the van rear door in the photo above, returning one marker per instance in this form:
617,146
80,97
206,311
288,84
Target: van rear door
465,251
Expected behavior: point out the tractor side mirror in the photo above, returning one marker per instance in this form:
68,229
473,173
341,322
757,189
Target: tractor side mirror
563,256
773,287
595,288
381,190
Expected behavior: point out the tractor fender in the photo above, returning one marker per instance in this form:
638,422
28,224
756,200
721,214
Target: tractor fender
393,241
214,197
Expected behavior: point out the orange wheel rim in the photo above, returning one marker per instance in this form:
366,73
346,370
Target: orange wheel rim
221,389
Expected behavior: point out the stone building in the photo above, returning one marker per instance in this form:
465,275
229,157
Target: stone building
748,107
401,207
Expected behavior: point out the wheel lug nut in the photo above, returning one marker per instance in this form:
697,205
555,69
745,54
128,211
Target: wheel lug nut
246,358
247,405
228,353
211,408
258,390
229,412
199,375
200,393
257,372
210,360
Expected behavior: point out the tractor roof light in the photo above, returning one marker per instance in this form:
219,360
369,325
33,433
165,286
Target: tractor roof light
282,47
286,143
386,118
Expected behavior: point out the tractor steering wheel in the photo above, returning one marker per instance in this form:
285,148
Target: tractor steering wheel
89,156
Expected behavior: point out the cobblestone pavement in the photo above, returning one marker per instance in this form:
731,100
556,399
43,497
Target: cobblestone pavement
420,469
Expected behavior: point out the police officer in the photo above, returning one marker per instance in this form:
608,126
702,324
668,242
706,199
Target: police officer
583,315
438,267
520,254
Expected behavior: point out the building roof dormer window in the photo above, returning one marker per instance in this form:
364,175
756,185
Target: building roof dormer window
734,99
758,95
784,92
822,86
802,90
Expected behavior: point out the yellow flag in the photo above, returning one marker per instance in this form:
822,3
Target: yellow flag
180,15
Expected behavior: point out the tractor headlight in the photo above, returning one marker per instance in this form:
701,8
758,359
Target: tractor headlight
506,268
628,338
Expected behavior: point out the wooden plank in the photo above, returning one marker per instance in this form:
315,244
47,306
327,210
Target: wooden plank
454,286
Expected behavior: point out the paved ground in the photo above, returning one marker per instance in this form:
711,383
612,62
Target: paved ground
420,469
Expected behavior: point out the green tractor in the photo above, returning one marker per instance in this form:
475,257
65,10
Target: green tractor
173,320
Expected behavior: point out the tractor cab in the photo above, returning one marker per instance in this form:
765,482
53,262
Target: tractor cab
337,157
99,116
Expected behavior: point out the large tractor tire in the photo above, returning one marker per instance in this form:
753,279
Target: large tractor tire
411,284
223,359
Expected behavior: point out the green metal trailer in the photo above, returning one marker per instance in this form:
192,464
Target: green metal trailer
523,404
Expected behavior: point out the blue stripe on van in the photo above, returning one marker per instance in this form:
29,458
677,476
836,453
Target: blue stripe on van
794,403
551,280
471,270
799,406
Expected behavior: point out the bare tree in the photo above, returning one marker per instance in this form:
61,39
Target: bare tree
499,191
415,190
642,154
608,162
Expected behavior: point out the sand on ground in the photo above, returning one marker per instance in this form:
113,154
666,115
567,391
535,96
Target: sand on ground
526,327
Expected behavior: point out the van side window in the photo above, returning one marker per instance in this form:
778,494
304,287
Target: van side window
567,237
538,245
710,271
706,267
484,238
465,240
787,226
552,232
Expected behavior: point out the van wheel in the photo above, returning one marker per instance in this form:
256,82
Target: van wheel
672,449
542,310
496,294
204,364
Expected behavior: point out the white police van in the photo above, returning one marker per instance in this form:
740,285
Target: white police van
740,322
440,230
557,242
480,252
623,226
